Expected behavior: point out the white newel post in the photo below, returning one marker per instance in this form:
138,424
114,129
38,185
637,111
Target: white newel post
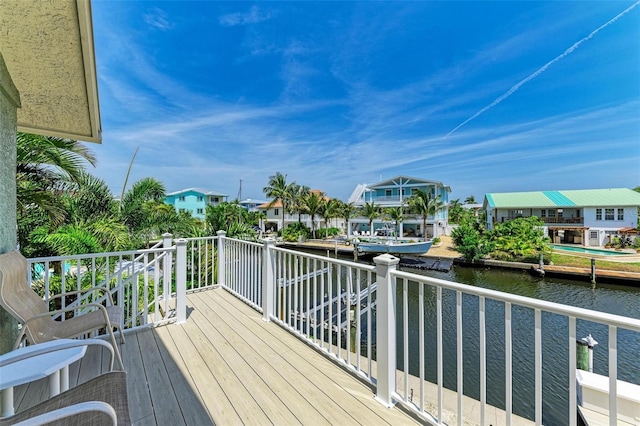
167,242
181,280
268,279
221,262
386,328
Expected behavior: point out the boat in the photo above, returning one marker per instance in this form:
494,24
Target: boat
392,247
386,241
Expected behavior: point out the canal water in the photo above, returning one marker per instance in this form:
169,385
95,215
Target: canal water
616,299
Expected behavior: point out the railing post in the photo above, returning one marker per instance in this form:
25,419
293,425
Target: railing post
181,280
221,261
268,279
166,270
386,328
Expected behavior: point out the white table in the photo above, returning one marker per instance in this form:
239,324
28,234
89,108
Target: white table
31,363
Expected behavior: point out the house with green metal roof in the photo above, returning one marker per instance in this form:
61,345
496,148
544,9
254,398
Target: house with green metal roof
590,217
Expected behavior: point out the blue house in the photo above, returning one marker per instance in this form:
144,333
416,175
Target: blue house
195,200
394,193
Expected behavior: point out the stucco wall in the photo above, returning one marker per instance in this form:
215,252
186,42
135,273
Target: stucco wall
9,101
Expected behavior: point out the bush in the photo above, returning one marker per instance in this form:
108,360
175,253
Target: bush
292,232
436,240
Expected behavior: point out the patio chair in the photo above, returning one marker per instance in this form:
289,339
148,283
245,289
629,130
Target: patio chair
100,401
38,324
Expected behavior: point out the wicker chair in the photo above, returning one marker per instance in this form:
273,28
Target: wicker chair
38,325
100,401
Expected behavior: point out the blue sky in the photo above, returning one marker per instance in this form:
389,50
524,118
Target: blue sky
483,96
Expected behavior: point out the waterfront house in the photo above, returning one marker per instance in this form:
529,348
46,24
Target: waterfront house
274,214
195,200
590,217
394,193
251,205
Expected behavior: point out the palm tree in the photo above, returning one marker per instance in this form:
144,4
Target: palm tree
455,211
470,200
313,203
346,212
424,205
298,195
43,164
133,211
371,212
396,215
279,190
328,212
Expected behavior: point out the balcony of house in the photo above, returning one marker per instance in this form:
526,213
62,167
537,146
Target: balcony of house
226,331
578,220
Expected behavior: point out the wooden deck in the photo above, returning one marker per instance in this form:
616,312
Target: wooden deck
226,366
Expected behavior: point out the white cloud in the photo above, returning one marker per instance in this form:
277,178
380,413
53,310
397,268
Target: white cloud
157,19
253,16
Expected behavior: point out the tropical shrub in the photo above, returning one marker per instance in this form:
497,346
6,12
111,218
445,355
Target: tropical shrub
521,239
294,230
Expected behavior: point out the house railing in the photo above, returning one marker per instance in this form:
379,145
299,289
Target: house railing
375,320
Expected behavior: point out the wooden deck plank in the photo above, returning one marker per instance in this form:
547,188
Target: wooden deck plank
258,374
233,388
137,390
356,400
191,401
163,399
213,396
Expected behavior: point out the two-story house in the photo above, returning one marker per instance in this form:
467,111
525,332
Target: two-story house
394,193
589,217
274,214
195,200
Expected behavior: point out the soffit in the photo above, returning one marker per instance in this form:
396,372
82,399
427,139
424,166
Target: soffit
47,46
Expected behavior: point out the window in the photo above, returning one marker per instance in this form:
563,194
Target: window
276,212
620,214
593,235
200,211
200,199
181,198
559,212
543,213
387,193
608,214
598,214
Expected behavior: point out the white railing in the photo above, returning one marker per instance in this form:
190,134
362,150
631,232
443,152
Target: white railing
360,315
201,262
345,308
138,280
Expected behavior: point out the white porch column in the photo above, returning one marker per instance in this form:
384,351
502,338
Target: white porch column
221,260
181,280
386,328
268,279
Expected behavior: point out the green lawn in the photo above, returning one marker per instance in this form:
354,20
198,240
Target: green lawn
583,262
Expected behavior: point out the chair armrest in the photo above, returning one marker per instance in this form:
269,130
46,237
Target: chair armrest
71,410
60,311
102,289
51,346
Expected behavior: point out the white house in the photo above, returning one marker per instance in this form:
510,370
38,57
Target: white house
589,217
394,193
274,214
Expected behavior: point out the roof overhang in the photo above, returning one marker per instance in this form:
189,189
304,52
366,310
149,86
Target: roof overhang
48,50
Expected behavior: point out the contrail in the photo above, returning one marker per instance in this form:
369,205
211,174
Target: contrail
542,69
